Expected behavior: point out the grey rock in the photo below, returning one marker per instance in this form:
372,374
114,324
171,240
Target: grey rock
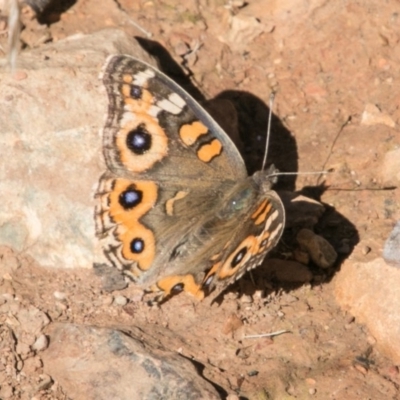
288,271
391,250
51,112
111,278
102,364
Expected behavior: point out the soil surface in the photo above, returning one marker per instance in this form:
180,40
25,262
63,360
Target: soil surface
330,64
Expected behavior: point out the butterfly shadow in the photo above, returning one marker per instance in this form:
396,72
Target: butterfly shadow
49,12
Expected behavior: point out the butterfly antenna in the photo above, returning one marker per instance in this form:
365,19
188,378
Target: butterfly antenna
277,173
271,105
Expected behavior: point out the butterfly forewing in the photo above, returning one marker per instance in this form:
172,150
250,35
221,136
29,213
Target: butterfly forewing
176,210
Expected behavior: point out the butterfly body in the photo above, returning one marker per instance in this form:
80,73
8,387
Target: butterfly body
176,209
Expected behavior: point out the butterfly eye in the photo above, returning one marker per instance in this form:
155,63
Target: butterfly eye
138,140
136,92
241,200
130,197
177,288
238,257
137,245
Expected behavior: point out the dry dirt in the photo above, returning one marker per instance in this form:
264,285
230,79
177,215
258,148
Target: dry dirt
318,59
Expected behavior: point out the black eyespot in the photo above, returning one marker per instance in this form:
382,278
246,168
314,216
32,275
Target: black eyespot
138,140
137,245
130,197
208,281
238,257
264,243
177,288
136,92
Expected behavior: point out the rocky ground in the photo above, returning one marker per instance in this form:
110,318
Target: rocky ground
333,67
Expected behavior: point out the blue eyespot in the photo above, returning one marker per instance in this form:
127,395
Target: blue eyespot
136,92
130,197
137,245
138,140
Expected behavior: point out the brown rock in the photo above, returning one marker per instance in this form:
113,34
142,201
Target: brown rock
390,168
370,291
288,271
372,115
32,319
232,324
31,365
321,251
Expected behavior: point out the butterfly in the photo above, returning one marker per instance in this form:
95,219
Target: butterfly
176,210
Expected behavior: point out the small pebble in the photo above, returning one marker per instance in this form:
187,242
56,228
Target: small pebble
59,295
8,296
45,382
371,340
393,371
365,250
20,75
7,276
120,300
20,365
312,391
41,343
61,306
246,299
107,300
280,314
22,349
361,368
